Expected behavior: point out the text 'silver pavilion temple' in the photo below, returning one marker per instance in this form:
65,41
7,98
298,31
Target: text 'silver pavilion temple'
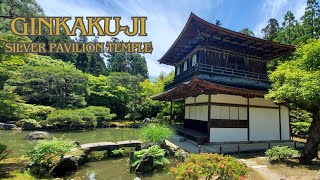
222,78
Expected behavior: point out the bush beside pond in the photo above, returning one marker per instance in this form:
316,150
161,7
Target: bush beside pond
79,118
156,133
47,154
197,166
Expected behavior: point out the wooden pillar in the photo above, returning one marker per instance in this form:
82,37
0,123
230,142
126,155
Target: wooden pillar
209,114
280,133
248,117
170,111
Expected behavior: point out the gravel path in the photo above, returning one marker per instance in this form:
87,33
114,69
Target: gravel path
262,169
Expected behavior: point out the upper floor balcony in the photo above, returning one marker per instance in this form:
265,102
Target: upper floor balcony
217,73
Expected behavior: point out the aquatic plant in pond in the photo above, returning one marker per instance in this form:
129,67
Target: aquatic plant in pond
156,133
118,152
197,166
156,154
46,154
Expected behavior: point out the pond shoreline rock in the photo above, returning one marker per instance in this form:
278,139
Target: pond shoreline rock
67,163
145,165
9,126
37,135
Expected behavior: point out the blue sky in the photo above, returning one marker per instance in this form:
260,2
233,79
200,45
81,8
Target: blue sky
166,18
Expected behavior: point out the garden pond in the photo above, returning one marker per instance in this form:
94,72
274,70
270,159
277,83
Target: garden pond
117,168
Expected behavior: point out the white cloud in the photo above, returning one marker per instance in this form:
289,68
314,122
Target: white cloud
277,9
165,20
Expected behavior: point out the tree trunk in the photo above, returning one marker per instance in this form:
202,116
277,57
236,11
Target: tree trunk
310,150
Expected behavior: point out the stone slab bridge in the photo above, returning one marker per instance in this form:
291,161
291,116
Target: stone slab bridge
109,146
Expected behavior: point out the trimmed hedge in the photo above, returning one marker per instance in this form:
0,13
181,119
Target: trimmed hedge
79,118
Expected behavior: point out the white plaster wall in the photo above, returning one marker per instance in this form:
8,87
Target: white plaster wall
228,134
264,124
215,112
231,99
285,130
202,98
189,100
198,112
261,102
192,112
234,113
204,113
243,114
187,112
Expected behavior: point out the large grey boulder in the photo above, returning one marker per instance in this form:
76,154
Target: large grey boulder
9,126
36,135
145,165
67,163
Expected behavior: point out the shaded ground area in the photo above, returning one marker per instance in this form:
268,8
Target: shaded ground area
13,168
289,169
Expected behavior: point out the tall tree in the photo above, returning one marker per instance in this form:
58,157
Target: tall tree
270,31
297,83
288,32
17,8
131,63
247,31
311,20
82,60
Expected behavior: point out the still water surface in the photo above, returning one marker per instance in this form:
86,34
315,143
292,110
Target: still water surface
117,169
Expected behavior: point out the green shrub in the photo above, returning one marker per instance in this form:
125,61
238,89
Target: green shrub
300,128
46,154
28,124
3,151
156,152
280,153
36,112
64,117
102,113
118,152
84,117
209,166
156,133
88,117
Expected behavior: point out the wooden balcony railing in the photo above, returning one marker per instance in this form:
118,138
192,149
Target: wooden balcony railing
200,68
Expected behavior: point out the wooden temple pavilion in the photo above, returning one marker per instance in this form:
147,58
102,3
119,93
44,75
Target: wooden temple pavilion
222,78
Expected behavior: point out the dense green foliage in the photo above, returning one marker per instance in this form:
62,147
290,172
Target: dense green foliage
280,153
50,82
118,152
210,166
300,128
156,152
297,82
293,31
156,133
79,118
3,151
46,154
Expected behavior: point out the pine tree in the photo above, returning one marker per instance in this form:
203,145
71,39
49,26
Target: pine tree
288,32
270,31
311,20
247,31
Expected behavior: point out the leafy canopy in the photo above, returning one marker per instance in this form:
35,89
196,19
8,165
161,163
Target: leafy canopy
298,81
